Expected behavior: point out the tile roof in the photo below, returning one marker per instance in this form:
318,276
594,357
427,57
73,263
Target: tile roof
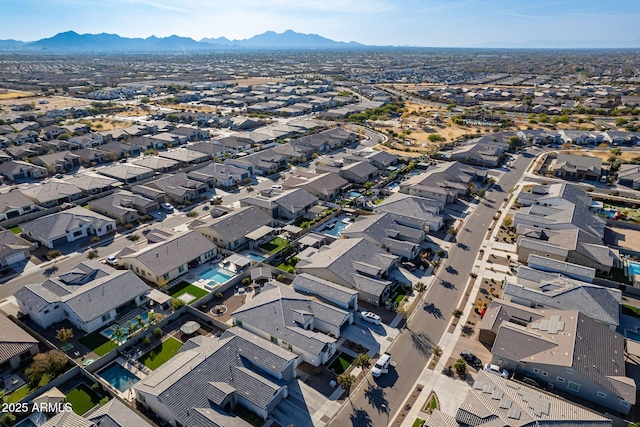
57,225
14,340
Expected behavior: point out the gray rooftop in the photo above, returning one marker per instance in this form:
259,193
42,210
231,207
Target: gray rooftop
322,288
57,225
237,224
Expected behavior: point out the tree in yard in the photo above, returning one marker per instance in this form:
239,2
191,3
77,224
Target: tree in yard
53,254
615,151
460,366
368,184
50,363
92,254
162,282
452,231
64,334
507,222
157,332
345,381
117,334
177,303
420,287
362,361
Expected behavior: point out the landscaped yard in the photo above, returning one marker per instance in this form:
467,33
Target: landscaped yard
275,245
289,265
341,363
630,310
160,354
186,287
402,292
82,398
16,229
26,390
98,343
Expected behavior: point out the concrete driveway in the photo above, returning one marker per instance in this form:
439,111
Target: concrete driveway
376,338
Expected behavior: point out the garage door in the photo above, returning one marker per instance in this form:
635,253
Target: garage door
15,258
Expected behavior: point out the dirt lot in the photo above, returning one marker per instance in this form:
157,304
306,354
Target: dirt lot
108,124
10,94
622,237
53,102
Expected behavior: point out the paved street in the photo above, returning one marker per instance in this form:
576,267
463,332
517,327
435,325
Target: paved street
413,348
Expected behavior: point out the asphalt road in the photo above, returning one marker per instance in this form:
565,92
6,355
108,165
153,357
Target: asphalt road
413,347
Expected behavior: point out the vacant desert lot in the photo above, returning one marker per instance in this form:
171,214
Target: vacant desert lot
53,102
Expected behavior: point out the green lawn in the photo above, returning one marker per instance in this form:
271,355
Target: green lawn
82,398
160,354
432,404
341,363
630,310
26,390
184,287
16,229
98,343
275,245
418,422
402,292
289,265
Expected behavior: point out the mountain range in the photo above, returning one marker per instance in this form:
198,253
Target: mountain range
70,41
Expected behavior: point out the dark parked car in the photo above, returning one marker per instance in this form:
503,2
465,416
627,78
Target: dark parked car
471,359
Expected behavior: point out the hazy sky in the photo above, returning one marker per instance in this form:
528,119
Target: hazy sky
378,22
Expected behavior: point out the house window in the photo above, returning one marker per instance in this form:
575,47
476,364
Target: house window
239,323
77,233
624,403
536,370
602,395
274,339
560,379
57,306
106,317
143,273
181,269
46,311
546,374
65,313
573,386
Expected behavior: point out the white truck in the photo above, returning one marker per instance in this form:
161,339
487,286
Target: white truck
382,365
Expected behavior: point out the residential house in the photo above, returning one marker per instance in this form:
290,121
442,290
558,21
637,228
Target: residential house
380,159
234,144
87,140
337,295
167,255
483,151
157,163
578,168
24,137
559,225
120,150
149,193
16,170
325,186
567,269
52,193
13,249
14,204
400,235
114,413
52,132
90,296
629,176
185,156
539,136
301,325
16,345
123,206
211,149
327,140
563,348
224,175
354,263
231,231
190,133
126,172
424,209
210,376
494,400
599,303
91,156
358,172
179,188
266,162
62,162
92,183
284,205
67,226
444,182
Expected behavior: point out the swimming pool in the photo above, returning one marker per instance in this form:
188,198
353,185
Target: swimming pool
119,377
609,213
217,275
254,256
635,336
125,327
634,268
353,194
335,228
394,184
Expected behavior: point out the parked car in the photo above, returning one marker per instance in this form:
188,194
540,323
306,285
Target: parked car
215,200
382,365
167,207
471,359
111,260
277,187
496,370
370,317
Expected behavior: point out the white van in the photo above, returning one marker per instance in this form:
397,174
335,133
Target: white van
382,365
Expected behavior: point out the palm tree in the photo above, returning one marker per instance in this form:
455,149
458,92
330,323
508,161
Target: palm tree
140,320
362,361
420,287
345,381
117,334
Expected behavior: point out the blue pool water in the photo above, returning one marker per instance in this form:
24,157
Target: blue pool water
109,331
609,214
119,377
336,230
255,256
394,184
634,268
353,194
218,274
